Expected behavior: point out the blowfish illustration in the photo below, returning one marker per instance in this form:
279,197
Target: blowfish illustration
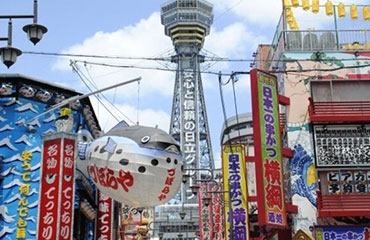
44,95
27,91
6,89
136,165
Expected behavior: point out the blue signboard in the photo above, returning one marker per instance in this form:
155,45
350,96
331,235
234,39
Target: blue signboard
20,154
343,233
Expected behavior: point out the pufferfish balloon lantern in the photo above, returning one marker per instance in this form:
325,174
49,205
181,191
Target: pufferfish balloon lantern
138,166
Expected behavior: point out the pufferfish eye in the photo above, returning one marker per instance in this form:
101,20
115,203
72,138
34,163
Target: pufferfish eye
172,148
145,139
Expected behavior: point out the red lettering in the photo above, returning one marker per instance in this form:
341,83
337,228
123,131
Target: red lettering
125,179
111,180
171,172
94,175
169,181
166,190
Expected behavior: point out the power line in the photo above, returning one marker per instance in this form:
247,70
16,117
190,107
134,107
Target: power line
227,74
168,59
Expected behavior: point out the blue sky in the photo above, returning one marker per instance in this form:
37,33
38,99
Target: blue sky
133,29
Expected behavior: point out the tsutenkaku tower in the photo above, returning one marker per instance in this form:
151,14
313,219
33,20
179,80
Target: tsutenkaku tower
188,22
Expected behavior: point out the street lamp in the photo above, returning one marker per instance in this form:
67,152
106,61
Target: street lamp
34,32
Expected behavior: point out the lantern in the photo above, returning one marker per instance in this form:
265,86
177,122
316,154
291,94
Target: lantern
306,5
354,12
295,3
329,8
286,3
341,10
315,6
289,13
366,13
290,20
136,165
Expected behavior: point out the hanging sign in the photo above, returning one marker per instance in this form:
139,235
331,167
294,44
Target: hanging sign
267,143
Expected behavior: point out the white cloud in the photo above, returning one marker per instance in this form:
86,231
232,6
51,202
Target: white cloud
147,117
143,39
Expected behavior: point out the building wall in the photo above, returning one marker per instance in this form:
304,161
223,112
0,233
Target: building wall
14,139
296,86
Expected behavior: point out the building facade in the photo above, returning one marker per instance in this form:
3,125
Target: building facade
21,149
325,73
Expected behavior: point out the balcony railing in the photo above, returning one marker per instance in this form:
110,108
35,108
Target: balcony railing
353,111
342,205
321,40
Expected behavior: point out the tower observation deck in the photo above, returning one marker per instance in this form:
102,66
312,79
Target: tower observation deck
188,22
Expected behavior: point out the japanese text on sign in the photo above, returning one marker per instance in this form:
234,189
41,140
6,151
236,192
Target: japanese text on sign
168,183
24,190
235,186
273,205
105,215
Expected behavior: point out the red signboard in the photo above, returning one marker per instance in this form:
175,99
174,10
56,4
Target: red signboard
268,150
67,190
205,214
217,212
49,190
104,219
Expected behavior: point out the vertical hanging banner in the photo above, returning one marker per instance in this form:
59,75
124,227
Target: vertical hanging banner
235,197
67,189
267,144
216,211
104,220
55,219
49,190
205,214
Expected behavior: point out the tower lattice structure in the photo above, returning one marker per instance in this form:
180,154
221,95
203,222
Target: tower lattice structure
188,22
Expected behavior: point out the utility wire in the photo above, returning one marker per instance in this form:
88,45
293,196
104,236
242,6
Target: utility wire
168,59
75,69
226,74
101,95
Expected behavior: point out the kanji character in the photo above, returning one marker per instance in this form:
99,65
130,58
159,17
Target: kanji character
239,216
26,155
104,207
272,171
20,233
24,189
239,233
274,196
52,150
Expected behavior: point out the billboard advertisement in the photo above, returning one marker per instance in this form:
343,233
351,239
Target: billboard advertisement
267,143
236,193
343,232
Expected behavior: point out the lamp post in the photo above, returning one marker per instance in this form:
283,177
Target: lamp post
34,32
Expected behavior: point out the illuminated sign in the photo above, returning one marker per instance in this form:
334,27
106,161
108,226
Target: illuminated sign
236,193
342,145
267,142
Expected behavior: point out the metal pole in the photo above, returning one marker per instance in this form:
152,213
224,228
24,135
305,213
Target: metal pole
10,30
35,7
336,27
75,98
230,214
